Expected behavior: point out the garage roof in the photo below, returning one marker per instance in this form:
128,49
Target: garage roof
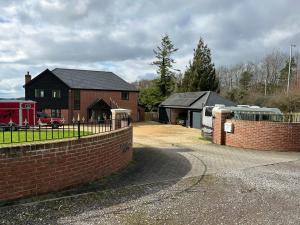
195,100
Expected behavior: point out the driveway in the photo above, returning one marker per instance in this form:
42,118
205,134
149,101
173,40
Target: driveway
178,178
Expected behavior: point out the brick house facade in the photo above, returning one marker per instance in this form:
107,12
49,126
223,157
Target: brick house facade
68,93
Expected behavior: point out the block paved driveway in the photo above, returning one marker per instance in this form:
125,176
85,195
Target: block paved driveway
178,178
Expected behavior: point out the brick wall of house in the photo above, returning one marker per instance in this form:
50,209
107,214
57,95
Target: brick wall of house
88,97
141,113
40,168
64,113
260,135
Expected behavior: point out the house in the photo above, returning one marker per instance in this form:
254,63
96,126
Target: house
68,93
188,106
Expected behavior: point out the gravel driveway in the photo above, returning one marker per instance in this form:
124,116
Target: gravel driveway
178,178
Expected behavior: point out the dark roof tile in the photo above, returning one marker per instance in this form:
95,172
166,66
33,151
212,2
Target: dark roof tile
185,99
96,80
195,100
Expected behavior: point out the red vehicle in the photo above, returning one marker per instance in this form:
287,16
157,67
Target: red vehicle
45,120
18,113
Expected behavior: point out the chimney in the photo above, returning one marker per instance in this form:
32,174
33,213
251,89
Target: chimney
27,78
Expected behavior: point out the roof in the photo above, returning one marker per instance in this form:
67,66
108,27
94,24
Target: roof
16,101
91,80
195,100
254,110
88,79
185,99
98,100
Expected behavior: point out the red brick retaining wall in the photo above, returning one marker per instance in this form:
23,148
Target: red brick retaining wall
264,135
40,168
260,135
218,132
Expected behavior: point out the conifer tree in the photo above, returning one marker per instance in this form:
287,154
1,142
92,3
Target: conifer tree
200,74
285,70
165,62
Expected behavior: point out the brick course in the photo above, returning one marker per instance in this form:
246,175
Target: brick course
40,168
259,135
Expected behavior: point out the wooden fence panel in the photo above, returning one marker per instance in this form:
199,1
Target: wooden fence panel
151,116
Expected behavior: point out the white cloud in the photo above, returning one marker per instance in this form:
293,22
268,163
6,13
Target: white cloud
120,35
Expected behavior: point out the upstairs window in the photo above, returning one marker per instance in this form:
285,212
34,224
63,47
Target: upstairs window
56,94
208,111
125,95
76,99
39,93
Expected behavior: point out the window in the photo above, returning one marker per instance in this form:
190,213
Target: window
55,93
42,115
208,111
125,95
76,99
55,113
39,93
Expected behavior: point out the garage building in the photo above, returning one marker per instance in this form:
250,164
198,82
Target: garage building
188,107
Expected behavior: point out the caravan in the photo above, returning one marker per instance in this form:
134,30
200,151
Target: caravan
239,112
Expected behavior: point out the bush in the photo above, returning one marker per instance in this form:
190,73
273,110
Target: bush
286,103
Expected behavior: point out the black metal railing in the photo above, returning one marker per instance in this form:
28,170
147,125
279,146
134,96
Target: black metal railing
264,116
20,134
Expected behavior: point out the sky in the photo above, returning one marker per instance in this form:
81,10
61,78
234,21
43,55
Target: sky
120,36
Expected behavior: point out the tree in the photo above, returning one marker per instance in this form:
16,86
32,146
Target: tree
201,74
245,80
150,96
271,65
285,70
164,63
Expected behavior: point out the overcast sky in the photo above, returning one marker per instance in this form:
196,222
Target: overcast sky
119,36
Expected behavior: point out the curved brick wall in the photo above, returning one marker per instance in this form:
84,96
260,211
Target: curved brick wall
40,168
261,135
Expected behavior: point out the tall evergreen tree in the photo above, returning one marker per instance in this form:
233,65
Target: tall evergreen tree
245,80
201,74
165,62
285,70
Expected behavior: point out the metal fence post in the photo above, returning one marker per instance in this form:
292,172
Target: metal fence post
40,132
11,135
78,129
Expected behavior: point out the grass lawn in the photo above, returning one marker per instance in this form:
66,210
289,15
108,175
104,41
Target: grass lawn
31,135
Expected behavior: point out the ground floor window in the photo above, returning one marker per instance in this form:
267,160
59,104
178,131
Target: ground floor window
55,113
76,100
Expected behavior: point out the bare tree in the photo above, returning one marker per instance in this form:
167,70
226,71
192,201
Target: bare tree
272,63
